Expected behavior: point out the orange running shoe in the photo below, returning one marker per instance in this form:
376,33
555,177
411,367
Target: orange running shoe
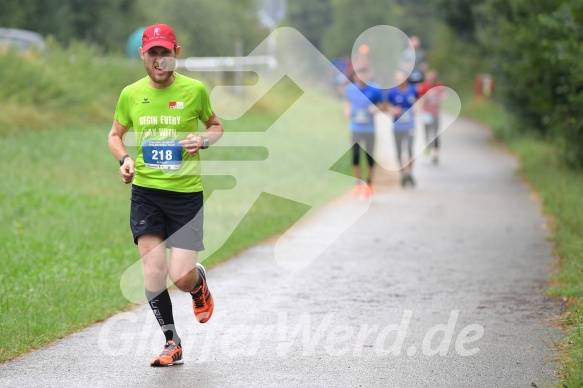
357,190
172,354
202,300
366,191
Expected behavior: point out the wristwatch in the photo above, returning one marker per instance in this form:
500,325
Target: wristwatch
205,143
123,158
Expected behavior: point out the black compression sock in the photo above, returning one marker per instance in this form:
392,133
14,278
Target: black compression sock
161,306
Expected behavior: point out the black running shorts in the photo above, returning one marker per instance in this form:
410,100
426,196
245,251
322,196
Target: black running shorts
178,217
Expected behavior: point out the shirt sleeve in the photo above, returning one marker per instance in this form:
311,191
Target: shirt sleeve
122,111
206,108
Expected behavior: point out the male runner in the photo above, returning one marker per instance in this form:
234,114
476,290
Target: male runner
413,59
164,109
401,99
361,103
434,95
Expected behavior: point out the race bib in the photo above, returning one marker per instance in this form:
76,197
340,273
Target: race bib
162,154
362,116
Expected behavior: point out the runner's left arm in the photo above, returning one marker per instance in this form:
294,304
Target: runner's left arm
214,131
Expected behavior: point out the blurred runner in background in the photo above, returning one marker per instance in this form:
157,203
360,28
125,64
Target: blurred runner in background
401,99
362,99
434,95
413,60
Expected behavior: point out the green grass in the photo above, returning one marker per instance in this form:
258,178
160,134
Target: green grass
65,232
561,192
76,85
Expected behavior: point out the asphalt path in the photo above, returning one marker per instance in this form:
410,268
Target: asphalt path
440,286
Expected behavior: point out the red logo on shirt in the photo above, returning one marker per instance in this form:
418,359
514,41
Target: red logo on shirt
176,105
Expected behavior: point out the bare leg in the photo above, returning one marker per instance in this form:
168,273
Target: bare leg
183,271
152,250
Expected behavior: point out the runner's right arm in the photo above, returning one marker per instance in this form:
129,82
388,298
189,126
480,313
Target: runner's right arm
117,148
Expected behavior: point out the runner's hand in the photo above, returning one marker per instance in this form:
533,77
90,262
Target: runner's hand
395,110
127,170
192,144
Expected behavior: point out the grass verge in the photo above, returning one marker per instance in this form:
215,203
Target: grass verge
561,192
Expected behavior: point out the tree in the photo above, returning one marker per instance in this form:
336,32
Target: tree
460,15
210,28
418,17
533,46
106,23
350,19
561,37
311,18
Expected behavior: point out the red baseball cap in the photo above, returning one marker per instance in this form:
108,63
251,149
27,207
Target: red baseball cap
158,35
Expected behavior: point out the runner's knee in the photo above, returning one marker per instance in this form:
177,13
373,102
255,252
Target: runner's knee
155,273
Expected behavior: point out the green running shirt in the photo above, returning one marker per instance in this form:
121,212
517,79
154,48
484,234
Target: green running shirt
160,118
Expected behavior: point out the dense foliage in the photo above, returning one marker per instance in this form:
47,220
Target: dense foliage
105,22
204,28
534,49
